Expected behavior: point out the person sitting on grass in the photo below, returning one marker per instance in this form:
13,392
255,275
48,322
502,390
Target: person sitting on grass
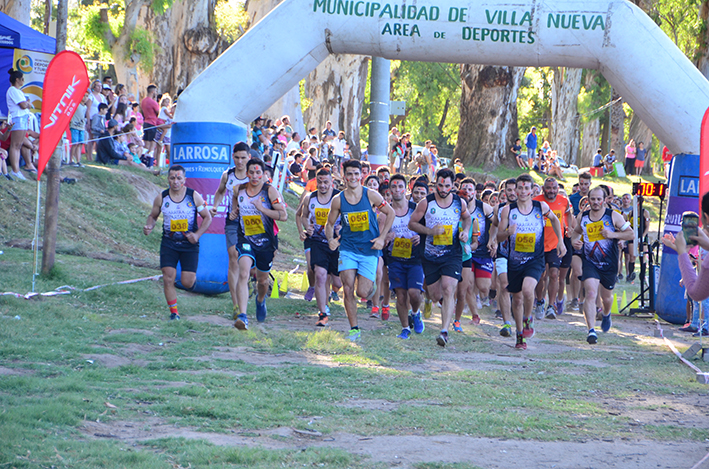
108,150
554,169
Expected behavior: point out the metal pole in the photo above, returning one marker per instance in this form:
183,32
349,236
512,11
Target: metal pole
35,240
379,112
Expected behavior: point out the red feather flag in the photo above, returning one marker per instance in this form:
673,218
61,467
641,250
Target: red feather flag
65,84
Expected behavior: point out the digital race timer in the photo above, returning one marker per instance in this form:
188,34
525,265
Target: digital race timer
649,189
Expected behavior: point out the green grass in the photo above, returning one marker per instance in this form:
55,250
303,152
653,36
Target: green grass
200,375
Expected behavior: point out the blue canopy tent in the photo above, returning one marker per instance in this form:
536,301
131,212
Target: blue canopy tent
25,49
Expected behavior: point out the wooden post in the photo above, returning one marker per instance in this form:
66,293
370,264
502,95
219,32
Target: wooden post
51,208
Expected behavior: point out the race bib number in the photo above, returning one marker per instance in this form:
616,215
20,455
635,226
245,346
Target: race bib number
524,242
253,225
358,221
401,248
594,231
178,225
321,215
445,239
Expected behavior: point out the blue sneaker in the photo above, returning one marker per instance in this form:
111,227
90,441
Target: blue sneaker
242,322
261,311
419,326
592,337
606,323
355,335
174,316
405,334
560,307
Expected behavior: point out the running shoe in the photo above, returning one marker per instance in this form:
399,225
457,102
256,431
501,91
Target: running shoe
592,337
620,277
551,312
427,309
688,328
456,326
478,302
599,314
528,330
442,339
174,316
493,304
355,335
486,301
309,294
521,342
476,319
574,306
369,304
539,310
411,320
334,296
606,323
506,330
8,177
701,333
498,314
261,311
18,175
385,313
235,312
242,322
419,326
375,312
631,277
322,320
405,334
560,307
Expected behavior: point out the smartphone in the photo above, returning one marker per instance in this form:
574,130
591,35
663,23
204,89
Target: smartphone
690,227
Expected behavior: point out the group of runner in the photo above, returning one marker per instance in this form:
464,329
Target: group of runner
428,242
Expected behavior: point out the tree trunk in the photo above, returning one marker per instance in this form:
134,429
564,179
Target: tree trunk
124,61
591,140
187,43
565,88
702,53
488,115
617,123
336,90
639,132
17,9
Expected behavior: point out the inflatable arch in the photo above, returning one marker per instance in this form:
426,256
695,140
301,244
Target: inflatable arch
615,37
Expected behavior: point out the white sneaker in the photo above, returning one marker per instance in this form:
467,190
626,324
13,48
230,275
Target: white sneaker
486,301
539,311
478,303
18,175
551,314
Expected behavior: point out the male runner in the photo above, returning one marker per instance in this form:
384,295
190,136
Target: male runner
315,211
597,233
442,213
232,179
404,260
561,208
584,185
255,205
180,236
477,263
509,193
523,223
360,240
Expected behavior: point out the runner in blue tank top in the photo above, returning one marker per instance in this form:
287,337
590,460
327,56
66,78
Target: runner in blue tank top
477,263
180,240
230,181
597,232
522,222
256,205
439,217
509,188
360,241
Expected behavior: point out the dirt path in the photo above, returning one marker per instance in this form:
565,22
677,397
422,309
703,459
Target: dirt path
407,450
